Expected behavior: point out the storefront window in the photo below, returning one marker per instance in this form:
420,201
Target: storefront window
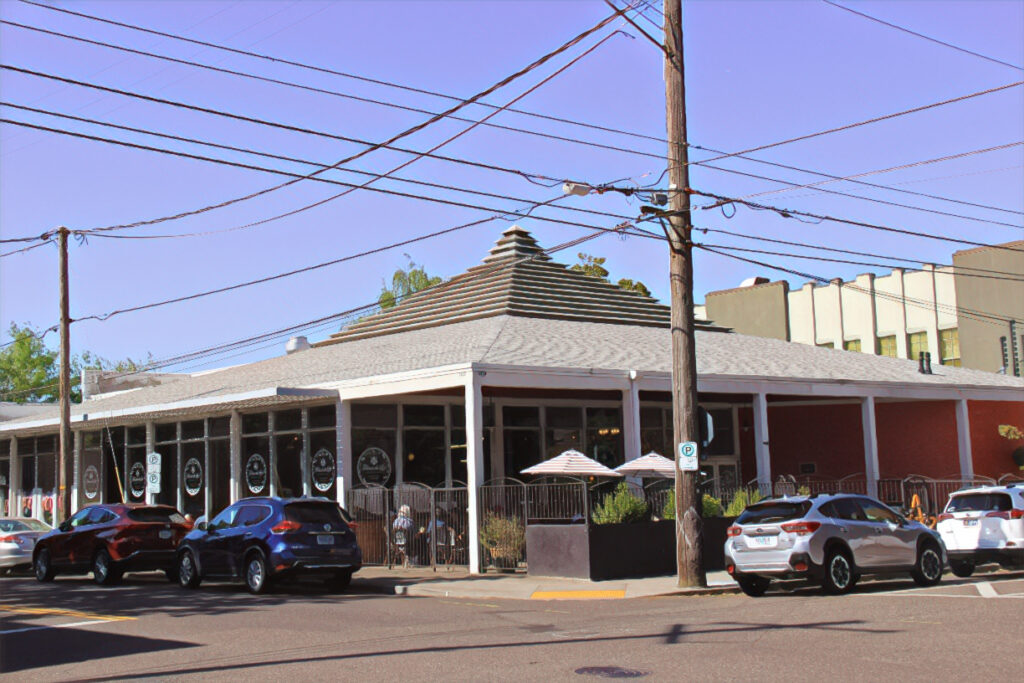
604,436
424,456
219,476
255,466
288,471
323,463
167,447
722,441
193,478
563,430
374,453
89,481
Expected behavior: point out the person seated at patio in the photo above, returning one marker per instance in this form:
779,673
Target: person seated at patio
438,532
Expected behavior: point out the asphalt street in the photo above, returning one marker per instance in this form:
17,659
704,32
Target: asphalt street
149,629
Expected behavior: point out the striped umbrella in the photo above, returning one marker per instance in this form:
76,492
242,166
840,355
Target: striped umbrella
650,465
572,463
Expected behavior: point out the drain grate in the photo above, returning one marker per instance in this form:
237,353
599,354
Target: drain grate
611,672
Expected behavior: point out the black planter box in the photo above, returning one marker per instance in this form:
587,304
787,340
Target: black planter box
615,551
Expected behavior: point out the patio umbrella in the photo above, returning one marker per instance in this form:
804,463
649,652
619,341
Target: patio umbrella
650,465
572,463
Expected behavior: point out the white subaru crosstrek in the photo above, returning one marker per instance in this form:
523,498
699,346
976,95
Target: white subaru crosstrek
984,524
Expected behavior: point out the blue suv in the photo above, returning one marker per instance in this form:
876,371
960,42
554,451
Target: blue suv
263,539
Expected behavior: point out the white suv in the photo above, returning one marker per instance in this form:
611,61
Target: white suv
984,524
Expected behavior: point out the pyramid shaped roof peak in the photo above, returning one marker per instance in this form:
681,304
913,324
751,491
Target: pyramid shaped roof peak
516,242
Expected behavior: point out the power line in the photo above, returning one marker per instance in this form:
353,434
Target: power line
760,238
253,167
359,310
813,257
921,35
789,213
349,75
901,167
280,157
309,88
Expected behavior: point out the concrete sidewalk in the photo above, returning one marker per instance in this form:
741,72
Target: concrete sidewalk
458,583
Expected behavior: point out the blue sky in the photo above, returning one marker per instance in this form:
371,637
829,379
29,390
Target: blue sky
757,72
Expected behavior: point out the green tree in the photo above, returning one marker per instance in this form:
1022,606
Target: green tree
594,267
30,372
27,367
404,282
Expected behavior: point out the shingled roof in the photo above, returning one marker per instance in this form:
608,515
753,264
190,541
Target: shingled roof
517,278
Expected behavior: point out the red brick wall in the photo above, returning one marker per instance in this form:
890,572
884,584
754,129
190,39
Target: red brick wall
991,452
914,437
917,437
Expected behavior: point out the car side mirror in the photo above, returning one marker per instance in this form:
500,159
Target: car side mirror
65,526
201,525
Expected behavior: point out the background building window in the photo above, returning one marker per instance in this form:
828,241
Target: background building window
852,345
887,346
949,347
917,343
826,345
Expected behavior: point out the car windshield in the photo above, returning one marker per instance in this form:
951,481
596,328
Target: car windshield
972,502
774,511
159,515
15,525
314,513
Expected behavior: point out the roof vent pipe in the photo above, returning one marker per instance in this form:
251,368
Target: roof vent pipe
927,362
296,344
920,363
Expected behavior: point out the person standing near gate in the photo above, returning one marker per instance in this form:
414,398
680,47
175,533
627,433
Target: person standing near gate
402,527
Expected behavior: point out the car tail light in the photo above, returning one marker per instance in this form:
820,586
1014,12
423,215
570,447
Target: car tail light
944,516
733,531
284,526
731,568
353,526
801,528
1007,514
800,567
8,539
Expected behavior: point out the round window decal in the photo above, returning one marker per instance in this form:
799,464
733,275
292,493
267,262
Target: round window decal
137,480
373,466
193,476
256,473
323,470
91,482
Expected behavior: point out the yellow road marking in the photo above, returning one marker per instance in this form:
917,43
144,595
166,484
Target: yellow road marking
577,595
44,611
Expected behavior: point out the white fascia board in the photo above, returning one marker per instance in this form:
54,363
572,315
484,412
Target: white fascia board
662,381
90,416
551,378
445,377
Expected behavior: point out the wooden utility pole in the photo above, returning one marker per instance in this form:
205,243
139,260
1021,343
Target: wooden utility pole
63,498
689,556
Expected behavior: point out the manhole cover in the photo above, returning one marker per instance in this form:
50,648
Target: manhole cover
611,672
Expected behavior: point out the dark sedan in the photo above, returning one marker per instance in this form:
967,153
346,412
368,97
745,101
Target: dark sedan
109,540
259,540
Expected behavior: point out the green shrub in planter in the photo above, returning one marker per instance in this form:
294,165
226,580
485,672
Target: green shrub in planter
619,507
503,537
740,502
712,507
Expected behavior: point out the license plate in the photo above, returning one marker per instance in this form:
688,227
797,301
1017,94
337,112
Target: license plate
166,533
767,541
324,539
970,522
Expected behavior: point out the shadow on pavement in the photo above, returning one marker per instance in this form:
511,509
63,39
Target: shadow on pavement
142,594
676,634
37,648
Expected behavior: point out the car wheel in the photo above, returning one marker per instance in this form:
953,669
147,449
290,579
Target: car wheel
754,586
104,572
340,581
256,579
188,572
839,575
962,568
42,566
928,569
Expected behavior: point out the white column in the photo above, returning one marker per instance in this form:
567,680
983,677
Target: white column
343,429
474,465
631,418
14,490
963,439
76,469
235,454
867,419
762,453
150,447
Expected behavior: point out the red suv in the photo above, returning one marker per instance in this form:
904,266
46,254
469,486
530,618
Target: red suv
109,540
